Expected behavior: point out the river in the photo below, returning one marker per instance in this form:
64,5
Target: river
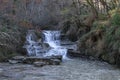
75,69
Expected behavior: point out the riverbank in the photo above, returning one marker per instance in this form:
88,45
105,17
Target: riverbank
75,69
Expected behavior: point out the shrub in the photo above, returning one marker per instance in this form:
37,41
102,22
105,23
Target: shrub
115,21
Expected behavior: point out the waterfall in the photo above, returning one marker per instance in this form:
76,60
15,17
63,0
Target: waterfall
33,46
53,39
50,46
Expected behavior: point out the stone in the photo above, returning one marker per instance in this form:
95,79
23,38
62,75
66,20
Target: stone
55,62
33,35
67,42
18,58
59,57
39,64
37,61
92,58
13,61
63,37
45,45
72,53
51,60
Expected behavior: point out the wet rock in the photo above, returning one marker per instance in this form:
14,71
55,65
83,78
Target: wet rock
31,60
110,58
35,47
13,61
46,46
59,57
32,34
92,58
39,64
19,58
63,37
72,53
52,60
67,42
55,62
37,61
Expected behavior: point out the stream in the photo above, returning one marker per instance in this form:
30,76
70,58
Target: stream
75,69
70,69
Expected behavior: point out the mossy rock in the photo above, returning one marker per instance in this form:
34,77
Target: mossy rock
109,58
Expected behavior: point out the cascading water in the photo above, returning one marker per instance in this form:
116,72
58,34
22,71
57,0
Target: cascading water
30,43
52,38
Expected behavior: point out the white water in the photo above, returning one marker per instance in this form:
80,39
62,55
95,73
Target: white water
53,39
34,48
32,45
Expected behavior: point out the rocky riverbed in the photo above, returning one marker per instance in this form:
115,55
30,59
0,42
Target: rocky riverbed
75,69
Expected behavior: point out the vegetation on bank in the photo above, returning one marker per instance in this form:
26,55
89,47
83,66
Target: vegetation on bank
98,32
12,38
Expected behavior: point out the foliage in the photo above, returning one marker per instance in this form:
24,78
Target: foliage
12,38
116,19
112,37
101,24
65,11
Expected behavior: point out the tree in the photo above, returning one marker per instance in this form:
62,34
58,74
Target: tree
93,8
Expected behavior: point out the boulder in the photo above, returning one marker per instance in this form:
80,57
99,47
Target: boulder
37,61
39,64
63,37
19,58
32,34
67,42
48,60
45,46
13,61
72,53
55,62
59,57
